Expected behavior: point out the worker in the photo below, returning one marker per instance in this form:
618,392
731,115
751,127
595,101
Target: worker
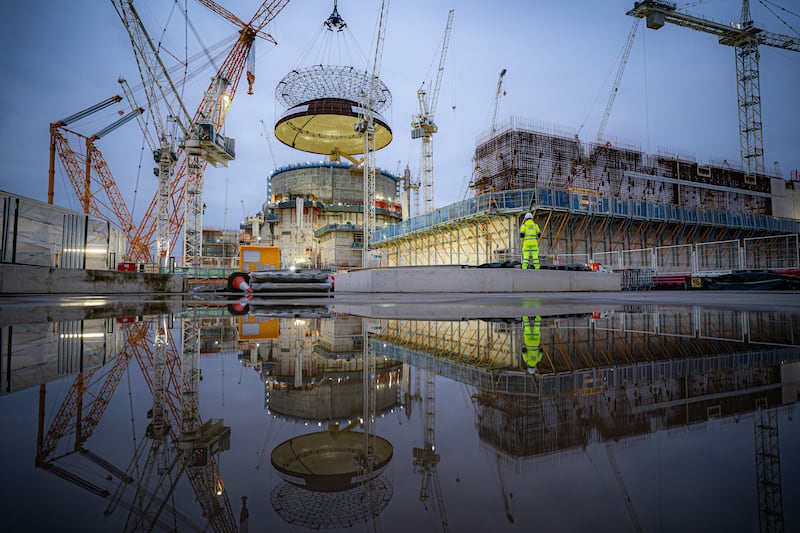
531,353
529,233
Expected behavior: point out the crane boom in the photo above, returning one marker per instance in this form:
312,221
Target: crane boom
745,38
496,104
438,84
614,88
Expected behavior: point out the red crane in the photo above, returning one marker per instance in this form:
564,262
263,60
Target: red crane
188,178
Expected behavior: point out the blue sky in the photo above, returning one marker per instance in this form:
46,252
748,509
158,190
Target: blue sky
678,91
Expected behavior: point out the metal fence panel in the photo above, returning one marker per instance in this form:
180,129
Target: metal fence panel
771,253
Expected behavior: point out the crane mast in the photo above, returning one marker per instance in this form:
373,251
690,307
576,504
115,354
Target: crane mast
79,167
745,38
423,126
366,125
159,91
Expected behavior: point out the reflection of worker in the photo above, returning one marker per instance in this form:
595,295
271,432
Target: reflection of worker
529,235
531,353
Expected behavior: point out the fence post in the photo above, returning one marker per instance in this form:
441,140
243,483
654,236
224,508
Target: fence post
742,255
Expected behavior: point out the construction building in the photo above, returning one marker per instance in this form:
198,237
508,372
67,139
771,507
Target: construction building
315,213
589,199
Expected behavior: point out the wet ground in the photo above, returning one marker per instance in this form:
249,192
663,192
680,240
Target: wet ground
657,411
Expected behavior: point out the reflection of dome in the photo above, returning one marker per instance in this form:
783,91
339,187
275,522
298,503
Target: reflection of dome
317,510
328,461
323,104
336,397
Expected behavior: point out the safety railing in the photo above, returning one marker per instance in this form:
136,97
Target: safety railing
523,200
777,253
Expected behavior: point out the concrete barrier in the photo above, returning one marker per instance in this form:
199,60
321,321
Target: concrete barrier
463,279
19,279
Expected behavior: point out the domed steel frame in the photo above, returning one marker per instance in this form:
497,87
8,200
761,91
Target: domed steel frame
330,81
323,104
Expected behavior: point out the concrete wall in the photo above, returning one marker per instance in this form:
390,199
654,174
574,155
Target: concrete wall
18,279
458,279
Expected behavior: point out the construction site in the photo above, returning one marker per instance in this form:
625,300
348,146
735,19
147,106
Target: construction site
148,382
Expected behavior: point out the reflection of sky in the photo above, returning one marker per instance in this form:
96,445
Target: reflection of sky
700,478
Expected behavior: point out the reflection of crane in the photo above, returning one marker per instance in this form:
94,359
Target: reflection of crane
422,124
366,125
213,111
426,459
745,38
625,495
614,88
496,101
768,467
506,495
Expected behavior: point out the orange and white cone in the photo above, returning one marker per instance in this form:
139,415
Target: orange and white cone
240,284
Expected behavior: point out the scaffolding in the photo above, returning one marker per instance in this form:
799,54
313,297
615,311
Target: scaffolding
588,199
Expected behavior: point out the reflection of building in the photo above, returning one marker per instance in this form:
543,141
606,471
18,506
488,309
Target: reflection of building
314,370
608,377
34,354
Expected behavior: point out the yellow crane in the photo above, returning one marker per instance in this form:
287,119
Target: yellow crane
745,39
422,124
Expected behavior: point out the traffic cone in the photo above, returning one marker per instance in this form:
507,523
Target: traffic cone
240,284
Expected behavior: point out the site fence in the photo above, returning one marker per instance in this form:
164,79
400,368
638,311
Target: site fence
776,253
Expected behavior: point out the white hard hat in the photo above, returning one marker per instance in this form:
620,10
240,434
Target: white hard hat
527,216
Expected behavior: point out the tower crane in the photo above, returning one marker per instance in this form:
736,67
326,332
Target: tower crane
185,190
366,126
159,91
745,39
614,88
496,103
422,124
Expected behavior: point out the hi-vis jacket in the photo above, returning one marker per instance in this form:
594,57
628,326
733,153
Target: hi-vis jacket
529,233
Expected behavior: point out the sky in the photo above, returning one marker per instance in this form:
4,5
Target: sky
677,94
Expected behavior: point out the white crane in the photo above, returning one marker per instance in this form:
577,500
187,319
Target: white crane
366,125
496,103
422,124
614,88
160,92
